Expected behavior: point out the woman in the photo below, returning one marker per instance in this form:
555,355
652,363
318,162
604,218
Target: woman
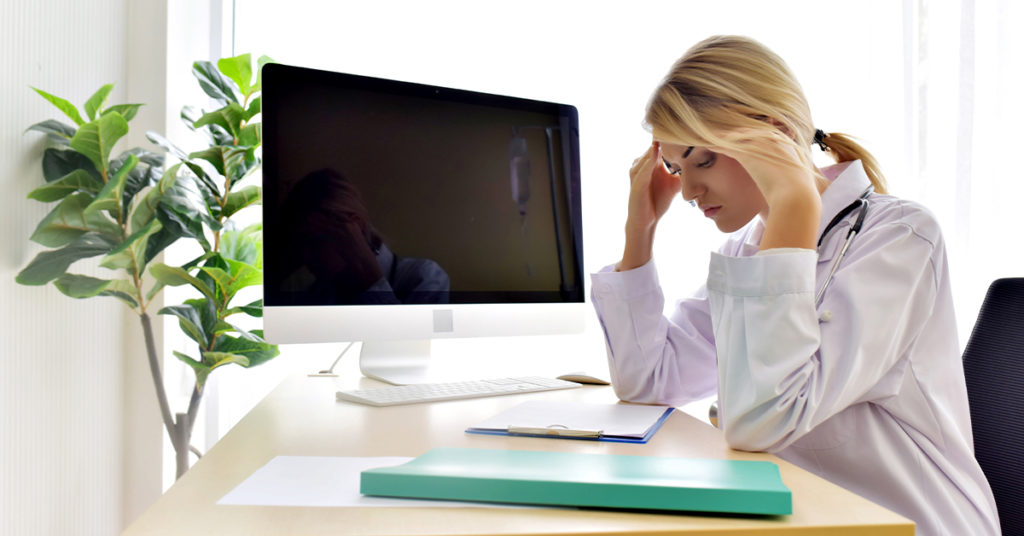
862,385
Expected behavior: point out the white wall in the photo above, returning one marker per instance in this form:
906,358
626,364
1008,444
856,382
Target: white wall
79,435
60,372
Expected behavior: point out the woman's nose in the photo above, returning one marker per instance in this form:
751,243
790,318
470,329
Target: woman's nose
691,189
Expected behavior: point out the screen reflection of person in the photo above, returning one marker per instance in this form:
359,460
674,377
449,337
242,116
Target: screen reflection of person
337,257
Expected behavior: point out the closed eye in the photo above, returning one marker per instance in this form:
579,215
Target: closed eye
707,162
668,167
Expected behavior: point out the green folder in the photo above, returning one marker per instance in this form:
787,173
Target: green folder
590,480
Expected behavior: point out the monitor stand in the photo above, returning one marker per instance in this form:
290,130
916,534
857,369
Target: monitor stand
397,362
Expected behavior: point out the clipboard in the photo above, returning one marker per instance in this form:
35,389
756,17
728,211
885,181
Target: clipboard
621,423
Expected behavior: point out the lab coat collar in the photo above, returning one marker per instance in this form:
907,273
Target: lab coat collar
848,183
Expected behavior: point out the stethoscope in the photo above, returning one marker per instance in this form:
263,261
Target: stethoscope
861,205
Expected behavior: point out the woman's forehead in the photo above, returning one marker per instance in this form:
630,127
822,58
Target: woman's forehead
676,152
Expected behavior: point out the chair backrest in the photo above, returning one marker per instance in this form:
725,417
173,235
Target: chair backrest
994,370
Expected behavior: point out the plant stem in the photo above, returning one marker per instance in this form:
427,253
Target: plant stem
193,408
180,432
154,368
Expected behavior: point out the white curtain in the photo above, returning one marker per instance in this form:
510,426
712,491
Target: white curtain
964,72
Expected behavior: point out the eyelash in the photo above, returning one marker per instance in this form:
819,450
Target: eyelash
704,165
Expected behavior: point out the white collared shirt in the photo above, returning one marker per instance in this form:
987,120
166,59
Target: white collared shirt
866,389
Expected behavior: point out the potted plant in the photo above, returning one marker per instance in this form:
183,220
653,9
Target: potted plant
127,209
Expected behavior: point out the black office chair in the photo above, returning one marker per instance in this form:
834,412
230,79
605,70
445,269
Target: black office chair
994,369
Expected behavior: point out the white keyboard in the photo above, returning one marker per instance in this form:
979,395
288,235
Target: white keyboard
395,395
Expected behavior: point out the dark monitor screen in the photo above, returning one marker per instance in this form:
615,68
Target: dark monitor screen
385,192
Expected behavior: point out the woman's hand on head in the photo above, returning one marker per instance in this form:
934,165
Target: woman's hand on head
651,192
771,160
651,189
787,184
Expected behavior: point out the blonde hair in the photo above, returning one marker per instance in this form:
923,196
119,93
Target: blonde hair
724,90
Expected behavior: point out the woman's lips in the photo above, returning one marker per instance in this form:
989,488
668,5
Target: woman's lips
709,212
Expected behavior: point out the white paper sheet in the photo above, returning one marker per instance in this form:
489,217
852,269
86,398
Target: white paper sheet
320,481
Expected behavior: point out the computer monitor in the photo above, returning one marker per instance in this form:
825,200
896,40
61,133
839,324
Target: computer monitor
396,213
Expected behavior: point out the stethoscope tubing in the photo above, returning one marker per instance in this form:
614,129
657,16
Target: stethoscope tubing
862,204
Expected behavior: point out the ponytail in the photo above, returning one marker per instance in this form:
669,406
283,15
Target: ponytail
844,149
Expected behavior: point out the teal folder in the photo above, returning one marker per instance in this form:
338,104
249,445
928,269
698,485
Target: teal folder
589,480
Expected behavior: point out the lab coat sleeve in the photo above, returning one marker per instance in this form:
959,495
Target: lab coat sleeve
653,359
782,372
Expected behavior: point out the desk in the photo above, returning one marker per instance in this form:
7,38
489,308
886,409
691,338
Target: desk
301,418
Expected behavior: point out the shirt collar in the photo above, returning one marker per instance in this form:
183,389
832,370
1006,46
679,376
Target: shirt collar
848,183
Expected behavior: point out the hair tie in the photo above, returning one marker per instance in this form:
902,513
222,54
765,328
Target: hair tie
819,139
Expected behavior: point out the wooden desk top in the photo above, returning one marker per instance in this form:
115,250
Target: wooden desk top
301,418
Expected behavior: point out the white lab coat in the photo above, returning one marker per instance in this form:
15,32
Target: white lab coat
866,390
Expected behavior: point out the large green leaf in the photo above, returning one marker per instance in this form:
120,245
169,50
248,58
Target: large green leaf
63,105
189,321
124,291
210,188
96,139
146,173
174,276
249,164
68,221
263,60
229,117
239,70
97,100
145,209
237,200
254,348
251,135
254,108
202,371
78,180
112,194
58,162
213,82
219,135
127,111
166,144
80,286
216,260
189,115
55,130
223,281
130,254
183,214
223,358
221,157
242,246
188,200
254,309
50,265
159,285
208,316
238,276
